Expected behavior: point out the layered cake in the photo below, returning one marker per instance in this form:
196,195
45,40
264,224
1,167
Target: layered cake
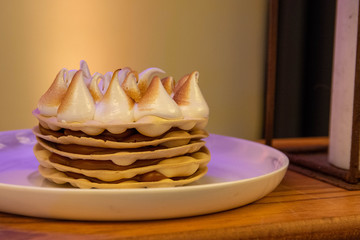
122,129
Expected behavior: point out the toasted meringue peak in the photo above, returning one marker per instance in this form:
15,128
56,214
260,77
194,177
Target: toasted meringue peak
106,81
115,105
94,87
180,82
168,84
77,104
122,74
157,102
85,68
145,78
51,100
69,76
190,99
130,87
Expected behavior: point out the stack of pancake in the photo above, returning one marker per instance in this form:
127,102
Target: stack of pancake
122,129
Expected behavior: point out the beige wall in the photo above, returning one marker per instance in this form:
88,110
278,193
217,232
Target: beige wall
223,39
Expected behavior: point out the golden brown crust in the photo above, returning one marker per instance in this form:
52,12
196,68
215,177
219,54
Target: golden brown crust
169,84
94,87
130,87
180,82
146,77
181,97
113,80
54,95
72,92
151,92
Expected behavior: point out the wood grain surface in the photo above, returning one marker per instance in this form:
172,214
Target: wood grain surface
299,208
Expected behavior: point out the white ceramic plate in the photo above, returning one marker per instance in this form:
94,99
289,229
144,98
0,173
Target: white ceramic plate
240,172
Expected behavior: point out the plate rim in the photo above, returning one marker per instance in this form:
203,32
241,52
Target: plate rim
284,166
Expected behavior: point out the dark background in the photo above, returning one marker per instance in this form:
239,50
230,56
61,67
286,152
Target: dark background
304,67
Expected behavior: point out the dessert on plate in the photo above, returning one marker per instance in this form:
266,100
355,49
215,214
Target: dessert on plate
122,129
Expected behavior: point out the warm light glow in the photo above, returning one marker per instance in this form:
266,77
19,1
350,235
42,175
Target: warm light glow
223,40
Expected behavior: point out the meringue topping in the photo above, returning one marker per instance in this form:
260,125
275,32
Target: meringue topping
122,97
77,104
146,76
51,100
106,81
157,102
130,87
94,87
86,72
115,105
122,74
168,84
69,76
180,82
190,99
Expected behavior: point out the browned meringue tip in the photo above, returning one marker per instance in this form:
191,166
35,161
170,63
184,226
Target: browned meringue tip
94,87
169,84
181,96
68,75
180,83
151,91
53,96
70,105
146,76
130,87
115,75
72,88
106,82
85,68
157,102
123,73
115,80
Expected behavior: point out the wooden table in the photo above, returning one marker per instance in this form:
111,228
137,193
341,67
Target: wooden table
299,208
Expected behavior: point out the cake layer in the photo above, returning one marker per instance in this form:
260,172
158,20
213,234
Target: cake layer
146,177
126,156
129,139
61,178
97,165
168,167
